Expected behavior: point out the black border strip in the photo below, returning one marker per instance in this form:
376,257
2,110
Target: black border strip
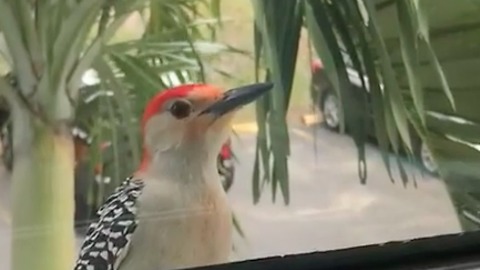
422,253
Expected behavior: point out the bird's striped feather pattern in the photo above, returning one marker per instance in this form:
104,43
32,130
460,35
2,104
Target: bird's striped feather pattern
108,238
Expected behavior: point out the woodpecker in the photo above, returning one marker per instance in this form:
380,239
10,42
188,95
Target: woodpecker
172,212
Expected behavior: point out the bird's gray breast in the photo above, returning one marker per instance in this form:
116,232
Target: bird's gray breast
181,226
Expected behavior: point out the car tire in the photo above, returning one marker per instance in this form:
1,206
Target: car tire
331,112
425,157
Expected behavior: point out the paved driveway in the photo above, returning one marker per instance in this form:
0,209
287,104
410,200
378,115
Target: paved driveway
329,207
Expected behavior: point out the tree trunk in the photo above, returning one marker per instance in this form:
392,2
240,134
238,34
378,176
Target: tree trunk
43,235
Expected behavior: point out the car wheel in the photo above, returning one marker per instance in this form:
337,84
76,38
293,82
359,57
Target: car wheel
426,159
331,111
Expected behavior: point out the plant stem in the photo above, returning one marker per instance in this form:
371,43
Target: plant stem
43,236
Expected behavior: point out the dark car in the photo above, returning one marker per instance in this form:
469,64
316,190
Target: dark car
328,103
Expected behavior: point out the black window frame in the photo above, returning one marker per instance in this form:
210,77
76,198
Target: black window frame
450,251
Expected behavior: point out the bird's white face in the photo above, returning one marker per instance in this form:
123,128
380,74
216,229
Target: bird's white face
179,124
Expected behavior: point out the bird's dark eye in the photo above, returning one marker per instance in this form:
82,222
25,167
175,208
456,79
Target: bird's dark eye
181,109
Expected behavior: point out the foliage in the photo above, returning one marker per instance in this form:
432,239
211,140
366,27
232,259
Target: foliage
168,52
420,58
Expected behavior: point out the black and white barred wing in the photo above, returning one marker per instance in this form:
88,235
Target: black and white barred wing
108,238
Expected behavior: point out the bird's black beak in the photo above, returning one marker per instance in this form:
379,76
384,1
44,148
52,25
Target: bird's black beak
237,97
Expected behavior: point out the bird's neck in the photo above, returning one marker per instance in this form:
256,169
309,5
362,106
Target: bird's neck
146,160
192,165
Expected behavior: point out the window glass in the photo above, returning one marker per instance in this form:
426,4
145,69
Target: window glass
192,133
